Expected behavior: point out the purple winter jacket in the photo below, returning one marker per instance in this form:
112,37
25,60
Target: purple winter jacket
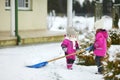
69,45
100,44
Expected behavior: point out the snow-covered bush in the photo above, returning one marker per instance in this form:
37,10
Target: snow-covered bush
86,38
113,70
86,60
115,36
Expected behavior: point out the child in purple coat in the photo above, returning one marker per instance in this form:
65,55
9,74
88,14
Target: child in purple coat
69,46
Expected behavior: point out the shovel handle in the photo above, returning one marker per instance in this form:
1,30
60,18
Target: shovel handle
78,52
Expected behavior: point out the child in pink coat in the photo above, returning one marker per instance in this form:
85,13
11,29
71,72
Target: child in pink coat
100,48
100,45
69,46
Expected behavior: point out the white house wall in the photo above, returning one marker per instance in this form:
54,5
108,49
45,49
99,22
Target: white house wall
35,19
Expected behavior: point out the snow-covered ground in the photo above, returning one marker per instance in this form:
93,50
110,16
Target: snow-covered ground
56,23
14,59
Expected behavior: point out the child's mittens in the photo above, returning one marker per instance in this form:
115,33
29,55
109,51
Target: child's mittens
90,48
64,49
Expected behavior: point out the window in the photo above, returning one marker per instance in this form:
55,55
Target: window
22,4
7,3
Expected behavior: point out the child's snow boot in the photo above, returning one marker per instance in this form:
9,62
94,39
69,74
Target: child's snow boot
69,66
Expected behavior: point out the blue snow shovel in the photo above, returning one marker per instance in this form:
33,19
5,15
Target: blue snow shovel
42,64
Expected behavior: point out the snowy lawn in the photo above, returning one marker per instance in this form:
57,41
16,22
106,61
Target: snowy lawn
14,59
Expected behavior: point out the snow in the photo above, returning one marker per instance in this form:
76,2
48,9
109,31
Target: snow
82,1
79,22
14,59
113,50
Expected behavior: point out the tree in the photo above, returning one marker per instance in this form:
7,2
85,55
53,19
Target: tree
77,7
92,7
60,6
63,6
117,1
107,7
86,7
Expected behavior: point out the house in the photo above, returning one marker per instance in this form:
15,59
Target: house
25,21
32,15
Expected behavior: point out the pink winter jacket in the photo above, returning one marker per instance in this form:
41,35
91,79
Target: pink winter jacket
100,44
69,45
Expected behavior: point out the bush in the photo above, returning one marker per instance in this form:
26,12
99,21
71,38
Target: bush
113,69
115,36
86,59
